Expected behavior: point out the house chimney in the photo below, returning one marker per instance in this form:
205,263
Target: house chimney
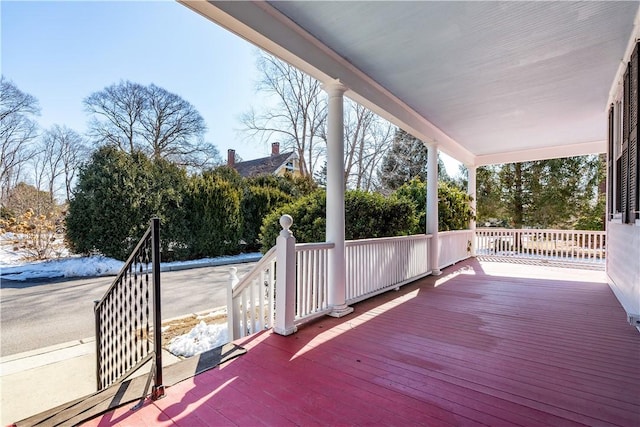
275,148
231,157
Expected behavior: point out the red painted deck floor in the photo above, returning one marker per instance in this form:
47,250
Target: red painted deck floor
492,344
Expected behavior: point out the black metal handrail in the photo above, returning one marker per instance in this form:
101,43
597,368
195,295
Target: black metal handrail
123,319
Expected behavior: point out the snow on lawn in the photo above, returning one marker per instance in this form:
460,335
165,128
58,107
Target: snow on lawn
65,267
13,267
201,338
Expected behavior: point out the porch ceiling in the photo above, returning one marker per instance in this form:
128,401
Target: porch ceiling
489,82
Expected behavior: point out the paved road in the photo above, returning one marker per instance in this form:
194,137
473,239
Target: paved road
43,313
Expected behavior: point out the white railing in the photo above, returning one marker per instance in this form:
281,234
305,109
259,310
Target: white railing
575,246
250,307
312,286
454,246
377,265
374,266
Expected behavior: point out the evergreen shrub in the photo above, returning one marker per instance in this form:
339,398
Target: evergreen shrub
212,217
367,215
454,209
116,196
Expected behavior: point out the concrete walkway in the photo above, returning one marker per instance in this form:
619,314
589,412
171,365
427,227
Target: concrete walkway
41,379
38,380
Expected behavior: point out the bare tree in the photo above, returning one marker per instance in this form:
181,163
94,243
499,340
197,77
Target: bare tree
173,128
17,128
61,151
298,116
116,114
367,139
159,123
380,139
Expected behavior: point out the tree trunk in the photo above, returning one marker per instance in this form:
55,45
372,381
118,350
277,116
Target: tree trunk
518,208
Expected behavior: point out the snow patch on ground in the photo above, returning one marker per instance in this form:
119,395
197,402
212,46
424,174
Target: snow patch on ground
13,266
201,338
66,267
218,313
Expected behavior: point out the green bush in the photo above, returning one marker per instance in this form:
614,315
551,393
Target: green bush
257,203
295,186
104,210
116,196
228,174
371,215
454,209
308,214
204,215
367,215
212,217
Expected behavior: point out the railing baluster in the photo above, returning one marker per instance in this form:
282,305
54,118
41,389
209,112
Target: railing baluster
317,303
261,299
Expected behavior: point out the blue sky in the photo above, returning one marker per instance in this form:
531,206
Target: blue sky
61,52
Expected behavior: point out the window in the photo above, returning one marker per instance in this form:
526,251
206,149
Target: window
623,149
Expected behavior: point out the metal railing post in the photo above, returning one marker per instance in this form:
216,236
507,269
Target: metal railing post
98,347
158,388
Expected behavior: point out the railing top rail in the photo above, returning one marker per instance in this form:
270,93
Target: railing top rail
312,246
127,264
444,233
257,269
537,230
386,239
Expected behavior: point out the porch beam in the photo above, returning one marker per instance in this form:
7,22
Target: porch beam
432,206
335,198
471,190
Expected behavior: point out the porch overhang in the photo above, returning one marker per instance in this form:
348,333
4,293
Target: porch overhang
487,82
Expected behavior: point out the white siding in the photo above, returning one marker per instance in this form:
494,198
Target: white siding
623,264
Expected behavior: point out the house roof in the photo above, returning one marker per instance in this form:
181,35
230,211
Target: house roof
489,82
263,166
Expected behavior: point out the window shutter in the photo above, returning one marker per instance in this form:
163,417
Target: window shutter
634,137
610,160
624,159
633,179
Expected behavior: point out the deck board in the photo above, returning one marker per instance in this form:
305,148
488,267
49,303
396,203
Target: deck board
491,344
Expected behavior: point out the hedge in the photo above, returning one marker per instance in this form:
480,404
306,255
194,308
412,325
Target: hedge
367,215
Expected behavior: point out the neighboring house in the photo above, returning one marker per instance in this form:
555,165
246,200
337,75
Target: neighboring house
276,164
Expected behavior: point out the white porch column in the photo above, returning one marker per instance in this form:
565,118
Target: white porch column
335,198
471,190
432,206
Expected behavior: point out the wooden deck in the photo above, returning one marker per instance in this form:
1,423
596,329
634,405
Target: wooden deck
490,344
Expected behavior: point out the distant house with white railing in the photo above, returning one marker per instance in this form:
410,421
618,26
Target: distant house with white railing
276,164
